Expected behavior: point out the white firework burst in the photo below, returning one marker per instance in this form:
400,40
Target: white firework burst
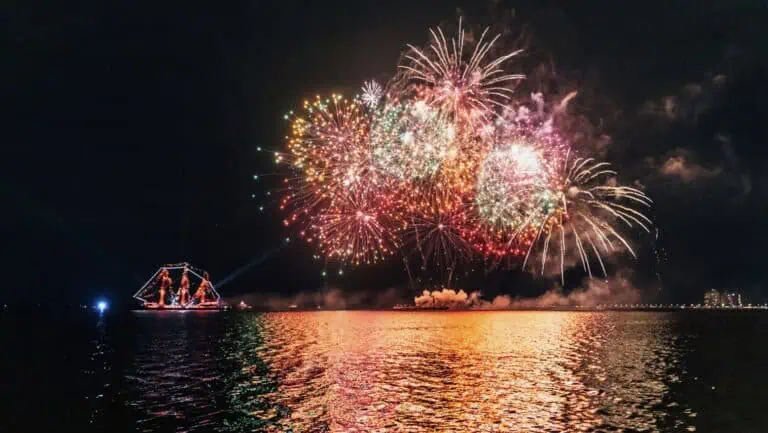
591,215
372,93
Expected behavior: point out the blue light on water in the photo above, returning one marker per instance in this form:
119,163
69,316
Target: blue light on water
102,305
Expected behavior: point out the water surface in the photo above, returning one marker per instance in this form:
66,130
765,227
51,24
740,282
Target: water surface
386,371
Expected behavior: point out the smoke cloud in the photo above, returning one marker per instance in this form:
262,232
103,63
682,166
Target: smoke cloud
688,171
693,100
615,290
445,298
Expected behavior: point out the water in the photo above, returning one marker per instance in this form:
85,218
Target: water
384,371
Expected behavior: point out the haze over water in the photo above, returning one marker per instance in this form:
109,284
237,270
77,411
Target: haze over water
387,371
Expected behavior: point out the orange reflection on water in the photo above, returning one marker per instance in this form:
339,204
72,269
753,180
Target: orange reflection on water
465,371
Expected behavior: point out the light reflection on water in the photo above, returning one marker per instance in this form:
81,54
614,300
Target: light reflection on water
384,371
470,371
407,372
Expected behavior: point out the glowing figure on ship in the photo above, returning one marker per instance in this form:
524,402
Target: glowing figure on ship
204,285
184,288
165,285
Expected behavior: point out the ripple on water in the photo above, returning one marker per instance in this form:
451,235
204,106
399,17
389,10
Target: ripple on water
412,372
495,372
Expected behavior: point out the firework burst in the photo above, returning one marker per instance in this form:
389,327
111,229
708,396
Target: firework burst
372,93
468,84
513,188
330,195
592,214
437,224
355,228
446,166
329,142
410,141
513,195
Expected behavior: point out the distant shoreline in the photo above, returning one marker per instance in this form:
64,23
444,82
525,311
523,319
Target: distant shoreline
561,309
665,308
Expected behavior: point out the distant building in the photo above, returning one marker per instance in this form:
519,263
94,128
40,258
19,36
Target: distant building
731,299
712,298
726,298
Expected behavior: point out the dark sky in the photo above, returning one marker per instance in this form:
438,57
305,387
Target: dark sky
133,126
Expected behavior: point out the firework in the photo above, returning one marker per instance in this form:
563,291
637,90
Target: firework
372,93
329,142
330,194
591,215
410,141
469,87
447,166
437,223
513,193
355,228
513,190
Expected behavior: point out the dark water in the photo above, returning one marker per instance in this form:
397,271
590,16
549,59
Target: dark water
384,371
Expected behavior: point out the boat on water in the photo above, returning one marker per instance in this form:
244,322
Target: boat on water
179,286
243,306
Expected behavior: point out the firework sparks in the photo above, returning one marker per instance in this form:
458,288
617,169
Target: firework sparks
410,141
355,228
329,143
468,87
591,215
513,189
437,223
448,167
372,93
330,193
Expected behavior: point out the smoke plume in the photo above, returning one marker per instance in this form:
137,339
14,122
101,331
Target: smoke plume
445,298
615,290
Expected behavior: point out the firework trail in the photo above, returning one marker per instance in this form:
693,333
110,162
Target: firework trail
592,215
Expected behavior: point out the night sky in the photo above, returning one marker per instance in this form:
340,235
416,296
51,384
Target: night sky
132,130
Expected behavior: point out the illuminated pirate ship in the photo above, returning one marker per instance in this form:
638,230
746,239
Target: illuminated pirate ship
179,286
